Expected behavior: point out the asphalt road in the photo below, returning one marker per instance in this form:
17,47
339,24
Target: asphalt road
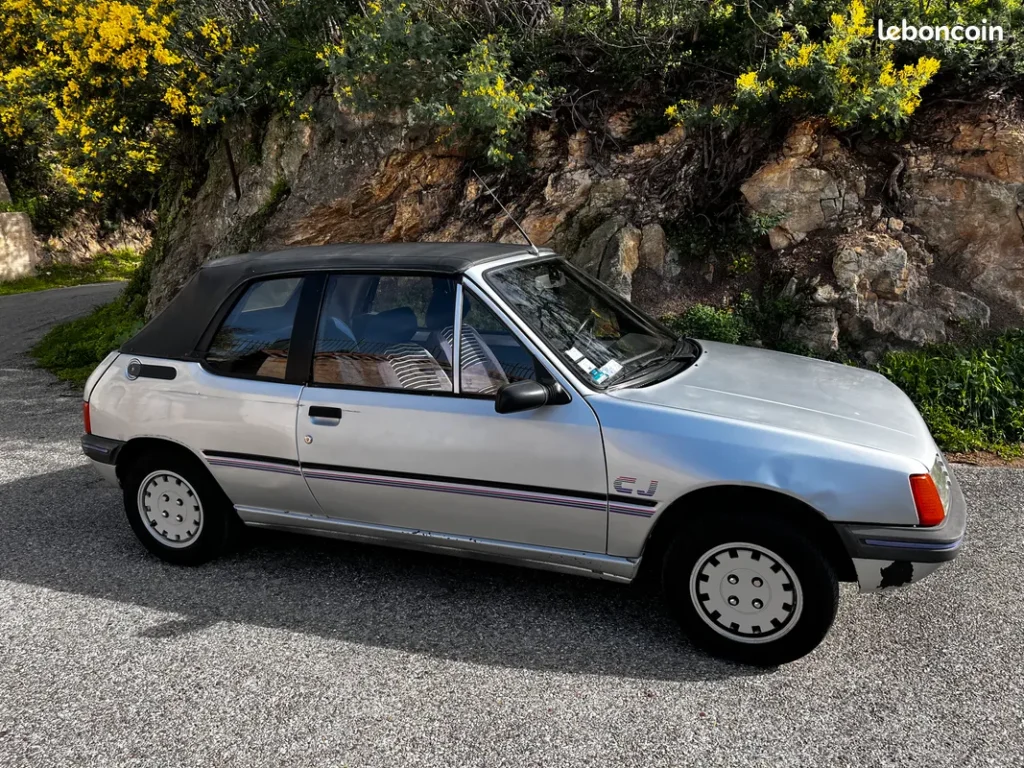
305,653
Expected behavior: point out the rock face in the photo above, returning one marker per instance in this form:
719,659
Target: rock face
886,245
870,267
612,252
812,190
342,177
17,246
899,280
817,330
966,198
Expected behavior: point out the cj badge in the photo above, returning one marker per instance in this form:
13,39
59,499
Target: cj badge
623,485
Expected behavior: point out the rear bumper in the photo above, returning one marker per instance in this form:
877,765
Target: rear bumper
890,556
102,454
102,450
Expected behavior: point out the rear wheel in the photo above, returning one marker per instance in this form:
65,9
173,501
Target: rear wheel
176,508
753,590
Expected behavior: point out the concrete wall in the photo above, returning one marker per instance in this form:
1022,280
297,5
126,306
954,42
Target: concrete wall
17,246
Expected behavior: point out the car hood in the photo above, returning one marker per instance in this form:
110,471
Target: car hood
795,393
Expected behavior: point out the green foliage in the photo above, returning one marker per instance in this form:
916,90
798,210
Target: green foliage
48,210
111,265
100,93
403,54
73,349
492,103
730,243
823,59
971,397
395,55
710,324
769,312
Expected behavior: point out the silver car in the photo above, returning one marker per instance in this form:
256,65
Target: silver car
493,401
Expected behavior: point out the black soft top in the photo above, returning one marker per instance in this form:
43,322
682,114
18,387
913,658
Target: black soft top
175,333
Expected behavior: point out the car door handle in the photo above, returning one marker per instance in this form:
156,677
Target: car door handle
324,415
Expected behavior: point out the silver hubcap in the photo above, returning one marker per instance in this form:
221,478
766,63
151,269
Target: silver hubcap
171,509
746,593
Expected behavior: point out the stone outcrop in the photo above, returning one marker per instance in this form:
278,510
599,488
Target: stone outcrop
814,184
901,280
612,253
964,194
871,267
85,236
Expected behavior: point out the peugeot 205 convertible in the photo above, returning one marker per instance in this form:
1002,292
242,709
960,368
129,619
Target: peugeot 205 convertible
493,401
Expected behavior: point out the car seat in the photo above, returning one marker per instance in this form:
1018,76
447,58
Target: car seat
405,364
482,373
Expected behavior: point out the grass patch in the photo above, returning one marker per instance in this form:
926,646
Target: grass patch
73,349
119,264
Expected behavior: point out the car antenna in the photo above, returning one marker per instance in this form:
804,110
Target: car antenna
526,237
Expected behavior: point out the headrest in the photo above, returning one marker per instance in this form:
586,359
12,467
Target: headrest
394,326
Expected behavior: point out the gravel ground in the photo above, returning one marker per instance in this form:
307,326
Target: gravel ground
300,652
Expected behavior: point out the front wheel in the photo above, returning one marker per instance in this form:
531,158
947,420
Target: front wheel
751,590
176,508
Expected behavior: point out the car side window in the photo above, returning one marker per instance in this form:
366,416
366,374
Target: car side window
382,332
396,291
491,354
254,339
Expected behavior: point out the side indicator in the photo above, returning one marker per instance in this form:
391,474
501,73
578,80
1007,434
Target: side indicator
85,418
927,500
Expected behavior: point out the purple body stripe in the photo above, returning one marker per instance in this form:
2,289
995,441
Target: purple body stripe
493,493
632,512
236,464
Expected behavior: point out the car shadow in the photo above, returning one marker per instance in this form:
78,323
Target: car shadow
66,531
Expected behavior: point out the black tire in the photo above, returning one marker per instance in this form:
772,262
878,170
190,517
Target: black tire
220,526
802,623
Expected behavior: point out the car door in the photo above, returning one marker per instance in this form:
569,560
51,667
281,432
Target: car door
243,396
394,435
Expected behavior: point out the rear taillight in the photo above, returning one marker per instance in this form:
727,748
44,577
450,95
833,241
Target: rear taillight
927,500
85,418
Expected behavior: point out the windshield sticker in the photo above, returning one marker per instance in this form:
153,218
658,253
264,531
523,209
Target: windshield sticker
574,354
598,376
587,366
610,368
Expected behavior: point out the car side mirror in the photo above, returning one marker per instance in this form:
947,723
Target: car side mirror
521,396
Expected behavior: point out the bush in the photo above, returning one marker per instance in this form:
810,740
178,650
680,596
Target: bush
86,79
72,350
824,60
972,398
710,324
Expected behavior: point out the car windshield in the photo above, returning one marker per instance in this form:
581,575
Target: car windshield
600,335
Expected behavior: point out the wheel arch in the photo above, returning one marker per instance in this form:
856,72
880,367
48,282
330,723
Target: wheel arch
138,446
772,502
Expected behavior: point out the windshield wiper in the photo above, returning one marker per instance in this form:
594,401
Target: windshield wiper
684,351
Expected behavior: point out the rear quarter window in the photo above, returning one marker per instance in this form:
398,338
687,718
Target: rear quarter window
255,338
